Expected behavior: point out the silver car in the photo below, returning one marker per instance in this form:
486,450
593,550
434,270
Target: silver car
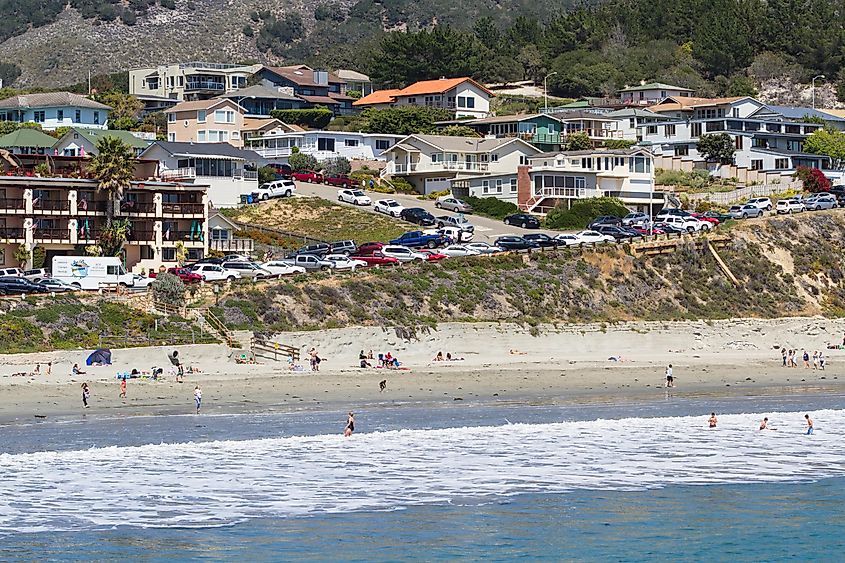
248,270
453,204
745,211
820,201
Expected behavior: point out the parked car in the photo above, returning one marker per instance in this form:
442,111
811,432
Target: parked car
688,223
282,268
815,202
523,220
419,239
236,258
745,211
648,230
8,272
376,258
592,237
346,247
455,234
344,262
484,248
762,203
418,215
565,239
605,220
209,260
670,228
57,286
141,282
248,270
670,212
460,251
308,176
702,217
456,221
542,239
184,274
16,285
515,242
389,207
636,218
215,272
282,169
355,197
319,248
790,205
721,217
452,204
36,274
340,180
433,255
310,262
617,233
276,188
369,248
403,253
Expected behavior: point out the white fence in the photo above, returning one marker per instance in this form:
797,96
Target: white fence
743,193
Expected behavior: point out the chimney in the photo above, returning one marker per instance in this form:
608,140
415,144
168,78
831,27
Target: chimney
523,185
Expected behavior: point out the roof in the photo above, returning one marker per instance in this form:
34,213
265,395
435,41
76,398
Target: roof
352,75
197,105
462,144
319,99
798,113
654,86
599,152
26,137
688,103
50,100
94,136
205,150
580,114
215,214
300,75
632,112
378,97
256,123
501,119
260,91
836,112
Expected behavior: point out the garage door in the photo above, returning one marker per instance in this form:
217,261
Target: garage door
436,185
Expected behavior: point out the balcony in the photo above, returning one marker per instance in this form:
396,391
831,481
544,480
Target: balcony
12,205
394,168
213,85
462,165
137,207
280,152
183,236
12,234
179,174
245,245
137,235
51,235
86,207
183,209
50,205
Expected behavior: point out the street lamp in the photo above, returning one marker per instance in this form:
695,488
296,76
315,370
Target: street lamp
813,82
546,90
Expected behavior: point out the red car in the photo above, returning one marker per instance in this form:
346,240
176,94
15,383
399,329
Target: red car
376,259
369,247
432,255
184,274
704,217
644,231
308,176
341,181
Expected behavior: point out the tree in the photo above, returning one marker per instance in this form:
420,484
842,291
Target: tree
404,120
716,146
114,168
814,179
266,174
168,288
578,142
336,166
301,162
827,142
125,108
458,131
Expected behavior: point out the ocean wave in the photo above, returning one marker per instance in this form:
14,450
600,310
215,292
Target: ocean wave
222,482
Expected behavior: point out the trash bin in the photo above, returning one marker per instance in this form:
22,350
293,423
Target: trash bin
243,198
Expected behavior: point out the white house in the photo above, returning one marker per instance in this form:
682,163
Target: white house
323,145
464,96
681,107
55,109
83,142
431,162
645,94
228,171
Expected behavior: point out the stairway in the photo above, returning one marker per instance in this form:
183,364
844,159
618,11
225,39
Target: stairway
210,323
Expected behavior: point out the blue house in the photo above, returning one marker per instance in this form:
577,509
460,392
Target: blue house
55,109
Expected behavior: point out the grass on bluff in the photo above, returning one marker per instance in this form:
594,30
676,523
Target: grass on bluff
320,219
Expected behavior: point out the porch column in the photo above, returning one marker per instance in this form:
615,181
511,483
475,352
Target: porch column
27,200
157,199
73,227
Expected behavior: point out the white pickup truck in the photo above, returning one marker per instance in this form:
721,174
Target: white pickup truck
277,188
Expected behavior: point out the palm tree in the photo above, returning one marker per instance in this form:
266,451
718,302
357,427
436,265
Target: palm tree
114,168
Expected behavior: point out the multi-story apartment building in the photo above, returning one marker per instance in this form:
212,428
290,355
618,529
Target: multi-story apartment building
314,87
193,80
55,109
464,96
65,212
218,120
652,92
323,145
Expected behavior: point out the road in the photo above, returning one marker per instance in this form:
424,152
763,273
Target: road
486,229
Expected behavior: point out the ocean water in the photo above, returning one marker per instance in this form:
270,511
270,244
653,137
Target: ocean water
596,482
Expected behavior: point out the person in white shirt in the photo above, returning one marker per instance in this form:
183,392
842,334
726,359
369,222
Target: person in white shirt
198,397
670,380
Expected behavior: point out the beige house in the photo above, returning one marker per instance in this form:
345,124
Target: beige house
218,120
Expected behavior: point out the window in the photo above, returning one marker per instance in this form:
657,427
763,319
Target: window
651,130
219,234
382,144
112,270
470,102
200,136
681,150
663,93
759,143
735,112
670,130
325,144
412,100
171,117
96,118
224,116
236,134
171,137
513,185
639,164
696,129
38,116
499,186
462,101
794,146
168,254
201,116
523,160
350,142
738,142
781,163
485,186
494,157
60,115
756,165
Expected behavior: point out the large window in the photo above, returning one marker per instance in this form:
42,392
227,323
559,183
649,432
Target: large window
350,142
756,165
60,115
325,144
200,136
781,163
96,118
215,167
224,116
38,116
382,144
639,164
466,102
201,115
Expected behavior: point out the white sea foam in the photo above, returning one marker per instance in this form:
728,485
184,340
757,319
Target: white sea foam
218,483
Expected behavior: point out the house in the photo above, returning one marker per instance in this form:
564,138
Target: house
651,93
83,142
790,113
680,107
464,96
355,82
221,235
314,87
195,80
539,129
228,171
55,109
323,145
217,120
630,120
258,126
431,162
64,212
596,124
260,100
550,179
27,141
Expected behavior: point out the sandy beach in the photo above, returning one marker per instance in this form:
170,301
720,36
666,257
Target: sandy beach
501,362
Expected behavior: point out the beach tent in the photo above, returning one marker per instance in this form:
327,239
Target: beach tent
99,356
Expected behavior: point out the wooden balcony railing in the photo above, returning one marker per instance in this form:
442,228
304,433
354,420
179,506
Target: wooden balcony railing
52,234
182,235
137,207
12,233
86,206
137,235
51,204
183,208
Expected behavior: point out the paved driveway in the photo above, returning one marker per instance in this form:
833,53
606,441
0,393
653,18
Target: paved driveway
486,230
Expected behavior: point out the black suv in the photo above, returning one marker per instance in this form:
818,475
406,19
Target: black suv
346,247
616,232
523,220
418,215
319,249
542,239
17,286
605,220
513,242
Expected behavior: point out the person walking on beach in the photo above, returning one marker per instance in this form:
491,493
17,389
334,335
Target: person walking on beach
821,360
315,359
712,421
806,357
670,379
350,425
783,353
86,394
198,397
809,423
122,388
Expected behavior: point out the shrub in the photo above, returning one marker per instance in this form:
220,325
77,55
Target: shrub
491,207
169,289
579,215
435,195
402,186
315,118
300,162
814,179
336,166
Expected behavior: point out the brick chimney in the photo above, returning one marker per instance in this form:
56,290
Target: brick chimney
523,185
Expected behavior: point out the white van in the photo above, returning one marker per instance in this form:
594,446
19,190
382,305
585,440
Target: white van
91,272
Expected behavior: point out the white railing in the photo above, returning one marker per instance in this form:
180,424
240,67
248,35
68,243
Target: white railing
179,174
274,153
462,165
250,175
394,168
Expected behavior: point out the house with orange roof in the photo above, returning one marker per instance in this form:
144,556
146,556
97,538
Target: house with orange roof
464,96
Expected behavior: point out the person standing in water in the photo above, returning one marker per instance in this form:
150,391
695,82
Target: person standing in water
86,394
764,424
712,421
350,425
670,380
198,397
809,423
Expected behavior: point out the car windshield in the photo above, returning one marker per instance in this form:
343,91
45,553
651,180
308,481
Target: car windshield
358,193
392,204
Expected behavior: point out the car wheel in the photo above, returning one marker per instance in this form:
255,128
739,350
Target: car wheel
230,279
789,211
507,222
345,186
339,198
323,268
264,197
690,230
524,226
437,204
745,215
768,207
287,193
432,244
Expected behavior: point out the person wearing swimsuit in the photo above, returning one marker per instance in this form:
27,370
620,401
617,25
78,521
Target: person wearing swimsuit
809,424
764,424
712,420
350,425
